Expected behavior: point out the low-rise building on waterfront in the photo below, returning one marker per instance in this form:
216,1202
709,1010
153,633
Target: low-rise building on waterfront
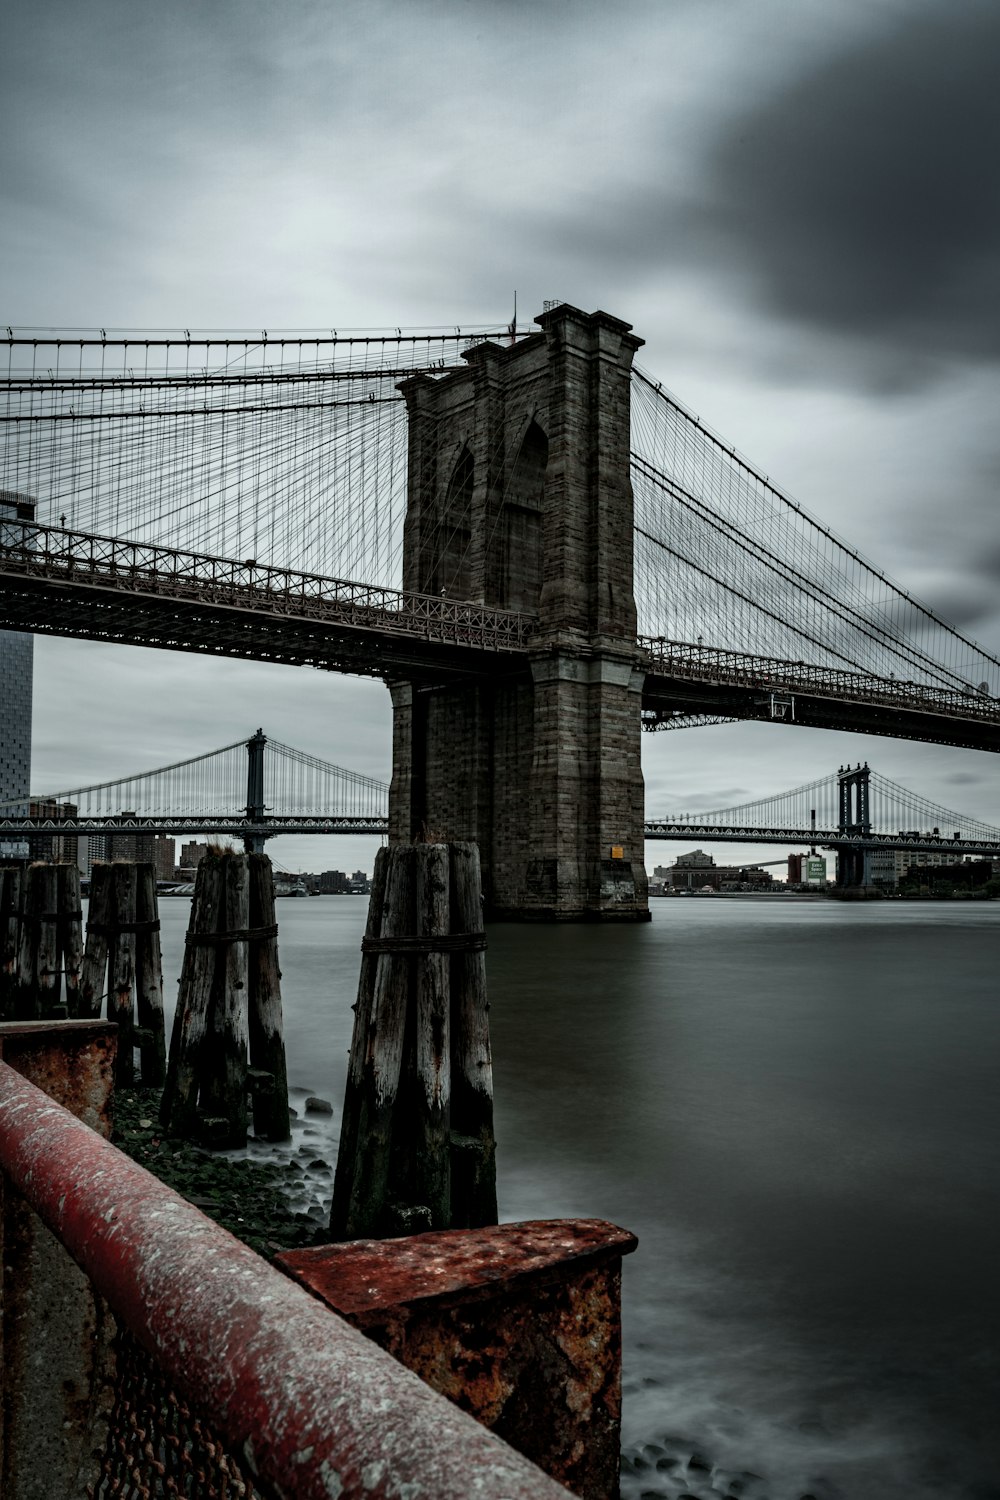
698,870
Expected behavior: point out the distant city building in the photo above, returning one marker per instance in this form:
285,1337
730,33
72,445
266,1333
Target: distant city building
16,665
690,871
88,853
695,871
163,857
137,847
334,883
192,855
970,873
58,848
889,866
359,884
806,869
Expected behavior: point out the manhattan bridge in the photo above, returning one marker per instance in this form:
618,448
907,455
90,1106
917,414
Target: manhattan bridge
532,542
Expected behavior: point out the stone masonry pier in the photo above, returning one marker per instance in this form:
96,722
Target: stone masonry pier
520,497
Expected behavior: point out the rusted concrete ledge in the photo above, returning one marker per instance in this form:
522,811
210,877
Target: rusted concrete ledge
518,1324
71,1061
317,1410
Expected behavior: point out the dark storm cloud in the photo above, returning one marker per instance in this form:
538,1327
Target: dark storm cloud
865,197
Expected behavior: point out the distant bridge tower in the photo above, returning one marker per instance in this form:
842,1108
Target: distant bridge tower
854,865
256,810
520,497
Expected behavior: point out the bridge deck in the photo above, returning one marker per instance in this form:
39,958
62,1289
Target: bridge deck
685,679
58,582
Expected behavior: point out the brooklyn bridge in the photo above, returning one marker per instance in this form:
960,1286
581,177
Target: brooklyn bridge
533,543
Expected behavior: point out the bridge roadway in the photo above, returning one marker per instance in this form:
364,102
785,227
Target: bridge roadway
70,583
237,826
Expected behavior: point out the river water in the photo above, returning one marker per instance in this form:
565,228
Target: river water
794,1104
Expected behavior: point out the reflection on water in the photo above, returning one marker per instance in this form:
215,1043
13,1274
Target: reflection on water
795,1107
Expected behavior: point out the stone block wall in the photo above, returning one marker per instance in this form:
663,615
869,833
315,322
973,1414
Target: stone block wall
519,495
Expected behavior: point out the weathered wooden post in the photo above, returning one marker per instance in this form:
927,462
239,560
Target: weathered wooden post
420,1023
224,1075
11,905
121,969
473,1146
179,1106
268,1074
226,1039
93,974
69,933
38,976
151,1030
40,941
122,962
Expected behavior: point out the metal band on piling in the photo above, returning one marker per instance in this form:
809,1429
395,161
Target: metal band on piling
450,942
112,929
240,935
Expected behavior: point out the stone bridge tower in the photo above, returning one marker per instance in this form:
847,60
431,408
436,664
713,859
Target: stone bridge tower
520,497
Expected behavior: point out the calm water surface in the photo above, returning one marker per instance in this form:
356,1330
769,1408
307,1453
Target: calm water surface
795,1106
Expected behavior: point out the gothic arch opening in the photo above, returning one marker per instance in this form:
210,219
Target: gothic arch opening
521,524
451,574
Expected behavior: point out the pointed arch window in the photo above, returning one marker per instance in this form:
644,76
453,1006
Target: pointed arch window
520,571
452,574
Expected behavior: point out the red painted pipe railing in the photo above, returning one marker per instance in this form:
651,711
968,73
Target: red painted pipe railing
315,1410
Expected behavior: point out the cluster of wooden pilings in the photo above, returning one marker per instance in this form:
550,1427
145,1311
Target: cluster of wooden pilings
417,1149
227,1043
48,973
41,942
122,965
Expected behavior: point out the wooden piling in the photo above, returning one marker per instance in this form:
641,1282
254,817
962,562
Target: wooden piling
371,1203
70,934
228,1009
121,970
188,1035
341,1216
408,1158
224,1086
473,1160
151,1030
268,1071
94,972
11,898
38,968
428,1180
121,961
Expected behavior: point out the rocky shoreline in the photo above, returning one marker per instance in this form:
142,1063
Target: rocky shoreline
252,1199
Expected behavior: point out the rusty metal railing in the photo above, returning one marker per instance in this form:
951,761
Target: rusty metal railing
228,1378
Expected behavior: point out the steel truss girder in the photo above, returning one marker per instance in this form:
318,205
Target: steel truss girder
827,838
709,691
681,660
221,824
58,582
62,582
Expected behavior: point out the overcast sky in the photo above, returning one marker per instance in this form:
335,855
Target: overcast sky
796,204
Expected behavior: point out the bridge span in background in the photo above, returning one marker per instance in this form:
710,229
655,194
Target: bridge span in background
259,788
522,533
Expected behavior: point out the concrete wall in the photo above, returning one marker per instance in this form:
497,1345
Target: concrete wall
519,496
